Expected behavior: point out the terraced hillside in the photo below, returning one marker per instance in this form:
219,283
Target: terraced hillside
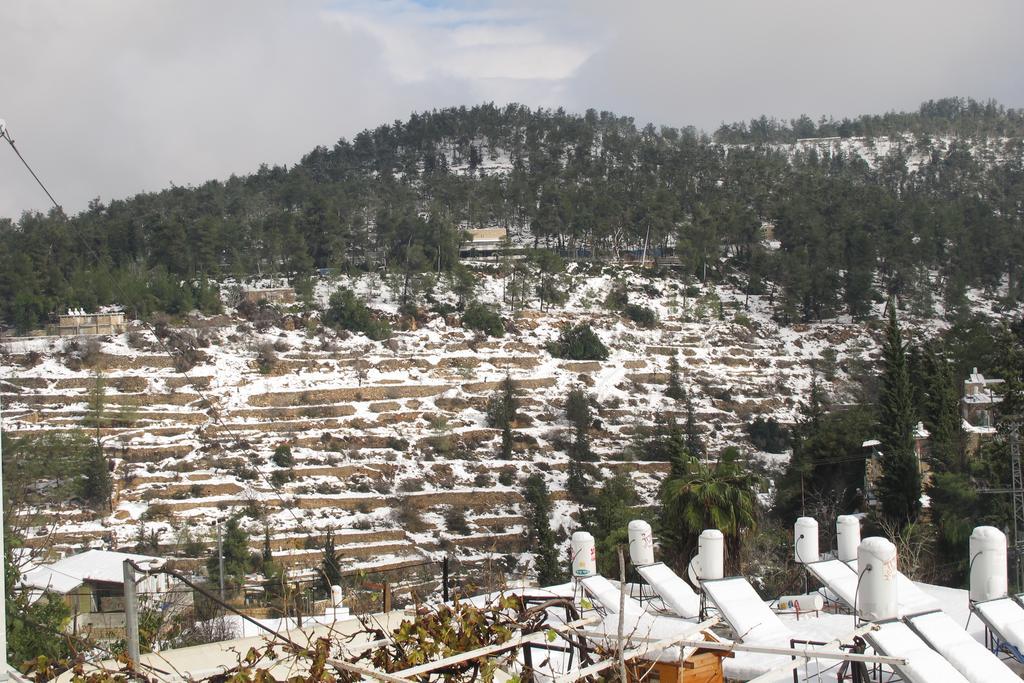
388,437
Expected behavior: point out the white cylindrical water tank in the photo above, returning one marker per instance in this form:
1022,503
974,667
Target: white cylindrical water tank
847,537
584,555
805,540
641,542
876,564
336,596
810,602
988,564
711,554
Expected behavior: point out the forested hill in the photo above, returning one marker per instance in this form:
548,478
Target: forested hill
933,203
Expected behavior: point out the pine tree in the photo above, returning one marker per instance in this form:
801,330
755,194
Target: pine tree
941,409
899,488
545,550
502,409
675,389
235,546
96,484
694,442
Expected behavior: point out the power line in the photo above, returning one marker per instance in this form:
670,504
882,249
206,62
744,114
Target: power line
5,133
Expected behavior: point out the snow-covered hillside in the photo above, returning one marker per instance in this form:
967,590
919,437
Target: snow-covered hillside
388,436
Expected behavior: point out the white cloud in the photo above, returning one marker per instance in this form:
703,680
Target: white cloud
111,98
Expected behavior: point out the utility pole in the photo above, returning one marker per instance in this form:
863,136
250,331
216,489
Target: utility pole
220,561
3,555
1017,489
131,613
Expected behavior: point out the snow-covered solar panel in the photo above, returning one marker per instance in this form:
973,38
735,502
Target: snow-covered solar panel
673,591
1005,617
966,654
924,665
751,619
838,577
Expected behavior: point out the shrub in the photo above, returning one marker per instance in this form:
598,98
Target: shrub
346,312
266,358
768,435
408,516
455,521
283,456
578,343
411,485
507,476
618,297
484,318
641,315
281,477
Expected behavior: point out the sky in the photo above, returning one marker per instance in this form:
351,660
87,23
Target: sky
109,98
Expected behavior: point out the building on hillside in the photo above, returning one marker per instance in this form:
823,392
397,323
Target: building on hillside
272,295
873,463
92,586
77,322
483,242
978,410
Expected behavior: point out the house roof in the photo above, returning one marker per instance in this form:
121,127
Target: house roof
486,234
65,575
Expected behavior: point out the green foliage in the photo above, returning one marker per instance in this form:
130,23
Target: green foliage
827,462
577,409
699,495
283,457
542,536
365,203
345,311
455,521
618,296
578,342
503,406
235,547
768,435
96,484
484,318
641,315
613,509
674,388
899,488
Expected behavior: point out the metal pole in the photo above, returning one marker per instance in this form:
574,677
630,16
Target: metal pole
220,561
1017,485
131,613
3,573
444,578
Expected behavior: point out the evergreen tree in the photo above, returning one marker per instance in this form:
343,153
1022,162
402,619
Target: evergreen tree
283,456
940,407
899,488
674,389
542,536
694,441
235,547
96,482
502,410
613,509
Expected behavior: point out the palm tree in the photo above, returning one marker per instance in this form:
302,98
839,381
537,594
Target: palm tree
700,495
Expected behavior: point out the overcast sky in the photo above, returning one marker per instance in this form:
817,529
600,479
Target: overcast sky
109,98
